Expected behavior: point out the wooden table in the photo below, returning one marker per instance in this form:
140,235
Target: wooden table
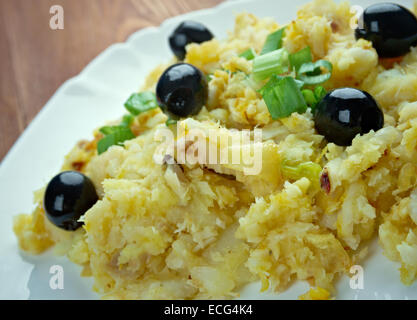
35,60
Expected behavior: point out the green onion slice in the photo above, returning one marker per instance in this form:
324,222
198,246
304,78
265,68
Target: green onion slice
141,102
299,58
249,54
310,170
283,96
106,130
312,98
273,41
170,121
306,69
114,135
319,93
274,81
127,120
275,62
309,98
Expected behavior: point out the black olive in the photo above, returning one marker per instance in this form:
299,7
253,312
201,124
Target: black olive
391,28
67,197
181,90
188,32
345,112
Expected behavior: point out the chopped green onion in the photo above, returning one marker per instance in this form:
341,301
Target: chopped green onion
299,83
275,62
170,121
310,170
315,72
249,54
319,93
114,135
106,130
299,58
209,77
282,96
141,102
127,120
273,41
309,97
274,81
313,98
312,67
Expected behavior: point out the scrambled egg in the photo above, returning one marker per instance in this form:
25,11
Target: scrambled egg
162,233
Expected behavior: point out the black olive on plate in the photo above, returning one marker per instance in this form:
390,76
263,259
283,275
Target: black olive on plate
188,32
67,197
391,28
181,90
344,113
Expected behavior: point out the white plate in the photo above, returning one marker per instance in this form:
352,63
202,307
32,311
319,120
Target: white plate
95,96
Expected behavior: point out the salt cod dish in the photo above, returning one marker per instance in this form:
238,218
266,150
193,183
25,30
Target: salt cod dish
325,109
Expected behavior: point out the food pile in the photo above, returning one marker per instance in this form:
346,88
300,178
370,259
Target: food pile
337,106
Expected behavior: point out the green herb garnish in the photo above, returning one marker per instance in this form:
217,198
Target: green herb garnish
310,170
127,120
170,121
319,92
283,96
312,98
141,102
275,62
310,72
113,135
284,93
309,97
249,54
116,135
299,58
273,41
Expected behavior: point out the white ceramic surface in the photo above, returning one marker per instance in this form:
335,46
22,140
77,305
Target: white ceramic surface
90,99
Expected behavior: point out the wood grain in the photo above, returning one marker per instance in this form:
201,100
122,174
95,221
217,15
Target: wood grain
35,60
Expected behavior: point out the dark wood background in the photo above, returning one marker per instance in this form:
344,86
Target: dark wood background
35,60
